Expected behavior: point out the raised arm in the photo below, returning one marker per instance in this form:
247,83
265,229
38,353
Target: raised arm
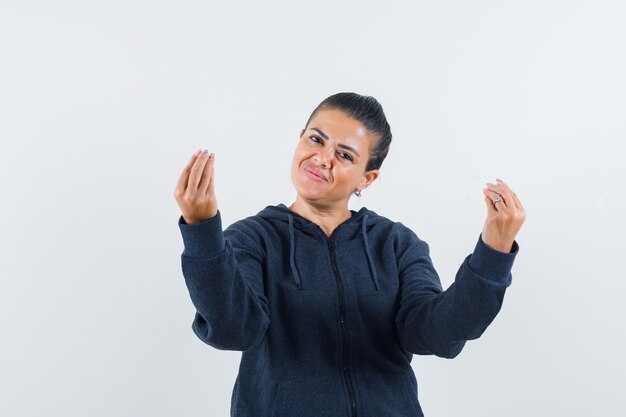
433,321
223,271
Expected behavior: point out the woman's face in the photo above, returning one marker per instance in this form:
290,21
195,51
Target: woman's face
330,158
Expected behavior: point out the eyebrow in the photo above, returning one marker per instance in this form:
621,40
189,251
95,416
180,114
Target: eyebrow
341,145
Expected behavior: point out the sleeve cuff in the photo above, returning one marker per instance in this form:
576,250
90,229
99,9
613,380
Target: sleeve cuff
491,263
204,239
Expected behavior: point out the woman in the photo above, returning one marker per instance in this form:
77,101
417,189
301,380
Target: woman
328,304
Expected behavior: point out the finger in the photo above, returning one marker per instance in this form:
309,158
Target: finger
515,199
509,195
212,183
504,193
181,185
519,203
207,175
198,168
490,207
493,196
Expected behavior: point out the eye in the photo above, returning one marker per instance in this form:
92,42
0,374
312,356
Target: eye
317,140
346,156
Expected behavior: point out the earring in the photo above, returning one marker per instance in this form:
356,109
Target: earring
358,193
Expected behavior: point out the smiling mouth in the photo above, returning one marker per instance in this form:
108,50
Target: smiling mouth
314,176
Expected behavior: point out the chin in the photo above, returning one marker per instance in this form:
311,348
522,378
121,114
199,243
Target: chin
306,193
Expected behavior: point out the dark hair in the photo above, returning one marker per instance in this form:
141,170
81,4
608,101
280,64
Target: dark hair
368,111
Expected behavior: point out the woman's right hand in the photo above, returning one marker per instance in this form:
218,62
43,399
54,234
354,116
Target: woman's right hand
195,193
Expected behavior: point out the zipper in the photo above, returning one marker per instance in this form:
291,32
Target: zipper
342,309
342,321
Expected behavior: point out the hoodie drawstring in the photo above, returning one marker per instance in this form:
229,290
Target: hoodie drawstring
292,253
369,255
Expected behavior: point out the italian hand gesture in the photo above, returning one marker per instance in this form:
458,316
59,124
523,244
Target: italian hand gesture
195,193
505,215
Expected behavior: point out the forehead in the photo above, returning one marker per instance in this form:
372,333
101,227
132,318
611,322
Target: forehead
342,128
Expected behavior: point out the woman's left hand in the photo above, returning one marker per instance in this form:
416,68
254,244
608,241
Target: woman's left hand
504,218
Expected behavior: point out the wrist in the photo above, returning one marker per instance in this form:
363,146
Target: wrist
203,240
196,220
500,246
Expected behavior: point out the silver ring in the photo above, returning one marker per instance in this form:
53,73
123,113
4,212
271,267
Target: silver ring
497,200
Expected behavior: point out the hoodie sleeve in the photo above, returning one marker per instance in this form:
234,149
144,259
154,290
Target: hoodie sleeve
223,273
433,321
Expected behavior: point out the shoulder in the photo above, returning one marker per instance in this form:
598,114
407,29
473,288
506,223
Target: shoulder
260,230
395,236
395,231
252,225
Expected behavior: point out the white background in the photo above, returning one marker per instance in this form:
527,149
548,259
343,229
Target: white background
103,102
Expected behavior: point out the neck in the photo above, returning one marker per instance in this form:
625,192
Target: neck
326,217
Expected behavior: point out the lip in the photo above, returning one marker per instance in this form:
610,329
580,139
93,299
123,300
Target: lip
315,174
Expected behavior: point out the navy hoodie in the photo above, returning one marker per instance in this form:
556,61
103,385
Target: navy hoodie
328,326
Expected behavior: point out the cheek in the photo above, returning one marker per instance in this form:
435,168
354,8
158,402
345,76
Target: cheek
295,158
301,153
348,175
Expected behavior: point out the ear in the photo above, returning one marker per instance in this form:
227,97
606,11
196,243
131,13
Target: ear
368,178
301,133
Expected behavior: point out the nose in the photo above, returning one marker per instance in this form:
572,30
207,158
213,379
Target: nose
324,156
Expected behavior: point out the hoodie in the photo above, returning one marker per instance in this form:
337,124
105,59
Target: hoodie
327,326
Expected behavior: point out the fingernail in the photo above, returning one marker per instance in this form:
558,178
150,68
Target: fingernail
499,180
205,151
212,155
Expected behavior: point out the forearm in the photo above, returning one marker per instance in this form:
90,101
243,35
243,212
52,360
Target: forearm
229,316
229,313
439,322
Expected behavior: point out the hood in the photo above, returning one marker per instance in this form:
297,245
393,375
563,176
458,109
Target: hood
360,222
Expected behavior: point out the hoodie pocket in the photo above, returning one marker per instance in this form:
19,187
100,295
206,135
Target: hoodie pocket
310,397
388,395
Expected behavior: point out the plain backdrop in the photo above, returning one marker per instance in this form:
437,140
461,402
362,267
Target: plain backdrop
103,102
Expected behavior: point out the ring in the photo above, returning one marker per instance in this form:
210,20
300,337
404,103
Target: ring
497,200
